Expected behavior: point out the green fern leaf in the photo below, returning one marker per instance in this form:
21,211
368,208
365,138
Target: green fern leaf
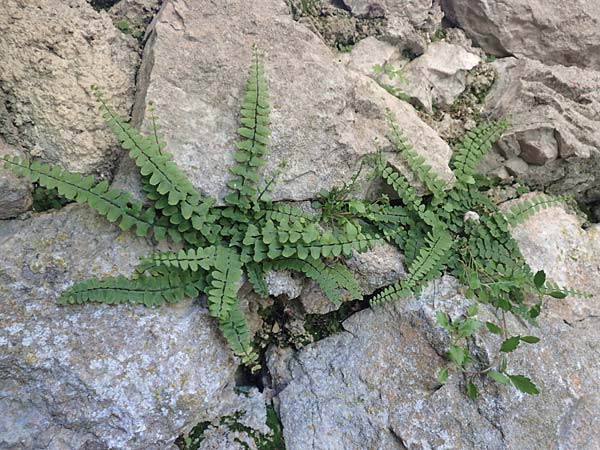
224,282
255,140
473,147
145,290
116,206
525,209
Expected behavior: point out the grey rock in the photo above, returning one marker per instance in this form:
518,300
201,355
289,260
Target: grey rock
96,376
379,267
439,76
15,192
546,30
419,13
53,52
239,415
283,282
374,269
371,51
516,167
324,117
555,125
135,14
373,385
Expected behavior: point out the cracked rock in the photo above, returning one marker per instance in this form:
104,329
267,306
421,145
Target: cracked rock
373,385
96,376
324,117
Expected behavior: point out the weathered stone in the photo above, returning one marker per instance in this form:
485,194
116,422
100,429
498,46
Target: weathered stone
322,114
419,13
374,269
368,52
283,282
240,416
547,30
439,76
379,267
373,386
516,167
96,376
52,53
133,16
15,192
555,125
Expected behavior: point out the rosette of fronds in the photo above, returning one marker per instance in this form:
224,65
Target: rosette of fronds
218,245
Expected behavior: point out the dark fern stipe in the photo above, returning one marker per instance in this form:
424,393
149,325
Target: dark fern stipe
250,234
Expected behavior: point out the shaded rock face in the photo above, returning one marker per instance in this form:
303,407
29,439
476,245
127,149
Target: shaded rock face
324,117
15,192
52,52
101,377
373,386
552,31
554,139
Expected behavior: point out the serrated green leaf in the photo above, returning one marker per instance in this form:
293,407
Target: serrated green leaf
524,384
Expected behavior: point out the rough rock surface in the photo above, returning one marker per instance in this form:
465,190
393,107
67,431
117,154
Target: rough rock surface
324,117
373,386
439,76
52,52
552,31
93,376
374,269
15,192
555,125
419,13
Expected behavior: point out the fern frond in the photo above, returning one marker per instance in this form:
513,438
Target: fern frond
328,245
115,205
330,279
525,209
425,267
256,276
254,142
473,147
158,170
193,259
416,162
235,330
145,290
551,287
224,282
403,189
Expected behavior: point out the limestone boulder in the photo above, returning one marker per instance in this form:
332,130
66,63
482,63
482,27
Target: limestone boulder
373,385
551,31
52,53
15,192
324,117
553,142
96,376
439,76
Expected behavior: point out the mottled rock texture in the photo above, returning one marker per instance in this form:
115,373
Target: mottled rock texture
52,53
373,385
552,31
324,117
439,76
554,139
15,192
100,377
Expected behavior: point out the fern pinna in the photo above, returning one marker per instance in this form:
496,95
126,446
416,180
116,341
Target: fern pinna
216,243
458,230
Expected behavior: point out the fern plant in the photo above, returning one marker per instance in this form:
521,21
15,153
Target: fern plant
458,230
216,244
